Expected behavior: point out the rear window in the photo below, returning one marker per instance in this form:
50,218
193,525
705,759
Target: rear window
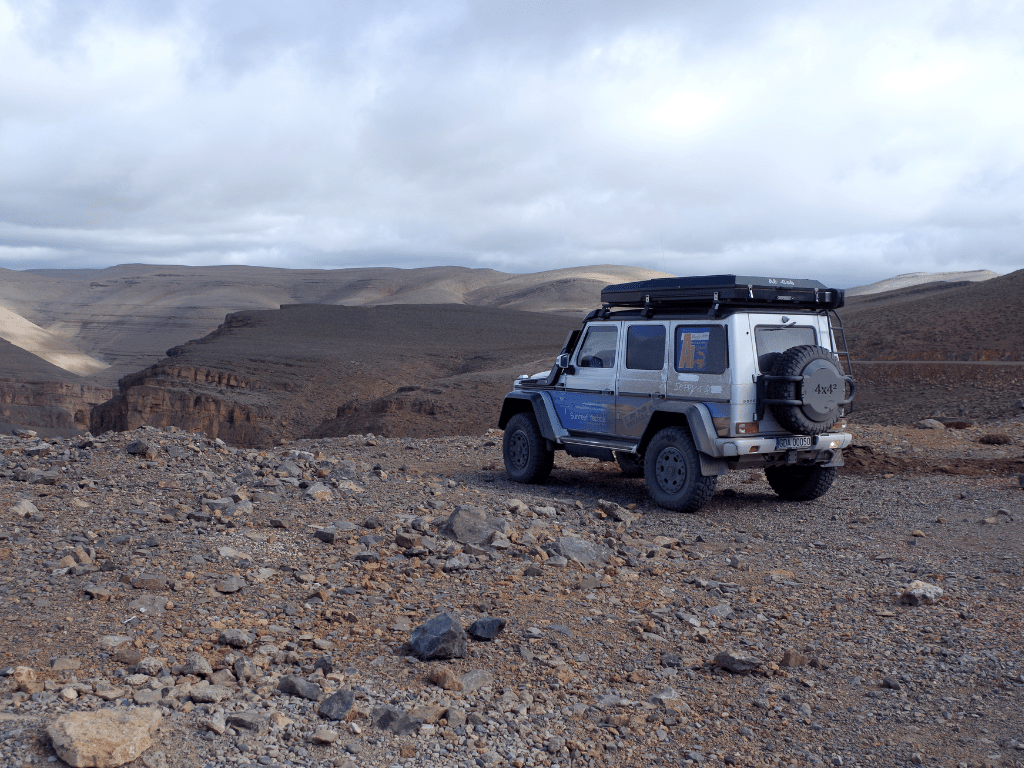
701,349
598,350
645,347
773,340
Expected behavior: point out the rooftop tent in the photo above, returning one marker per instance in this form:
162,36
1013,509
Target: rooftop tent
724,290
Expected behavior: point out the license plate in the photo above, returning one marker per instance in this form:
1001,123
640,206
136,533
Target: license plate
786,443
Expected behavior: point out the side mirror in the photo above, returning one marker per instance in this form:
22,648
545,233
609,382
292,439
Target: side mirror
562,361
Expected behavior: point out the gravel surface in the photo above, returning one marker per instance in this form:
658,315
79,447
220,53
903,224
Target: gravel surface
253,597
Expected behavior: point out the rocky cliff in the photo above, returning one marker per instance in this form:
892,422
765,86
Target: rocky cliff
270,375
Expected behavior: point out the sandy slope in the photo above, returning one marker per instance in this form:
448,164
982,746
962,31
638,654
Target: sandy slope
53,349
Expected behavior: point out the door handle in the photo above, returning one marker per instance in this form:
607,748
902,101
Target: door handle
607,392
659,395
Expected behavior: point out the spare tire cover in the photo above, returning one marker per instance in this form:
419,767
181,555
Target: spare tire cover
820,393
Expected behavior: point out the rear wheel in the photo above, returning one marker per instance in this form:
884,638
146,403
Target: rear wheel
672,472
527,456
800,483
630,464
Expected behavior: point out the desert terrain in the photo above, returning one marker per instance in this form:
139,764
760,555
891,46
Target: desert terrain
261,599
261,607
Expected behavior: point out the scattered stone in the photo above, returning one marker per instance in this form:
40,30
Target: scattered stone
617,513
996,438
476,679
471,525
395,720
248,721
737,662
324,736
236,638
104,738
23,508
154,582
298,686
210,694
930,424
486,628
921,593
446,679
337,706
582,551
196,664
149,605
230,585
793,658
442,637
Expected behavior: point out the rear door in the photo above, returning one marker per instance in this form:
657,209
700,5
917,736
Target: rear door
587,402
642,375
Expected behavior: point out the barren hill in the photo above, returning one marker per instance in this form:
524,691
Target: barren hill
973,322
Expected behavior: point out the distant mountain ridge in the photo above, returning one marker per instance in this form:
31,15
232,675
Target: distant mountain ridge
912,279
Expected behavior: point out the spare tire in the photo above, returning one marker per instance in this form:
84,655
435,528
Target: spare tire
806,390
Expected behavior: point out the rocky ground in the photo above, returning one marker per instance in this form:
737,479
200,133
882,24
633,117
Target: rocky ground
226,607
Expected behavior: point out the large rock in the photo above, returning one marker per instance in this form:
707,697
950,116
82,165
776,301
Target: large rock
472,525
442,637
486,628
23,508
921,593
337,705
583,551
299,686
740,663
395,720
105,738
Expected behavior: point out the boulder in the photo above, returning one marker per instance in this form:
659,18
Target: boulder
921,593
441,637
299,686
104,738
486,628
337,706
740,663
472,525
930,424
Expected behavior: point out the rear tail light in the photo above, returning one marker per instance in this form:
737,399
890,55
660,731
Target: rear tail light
746,428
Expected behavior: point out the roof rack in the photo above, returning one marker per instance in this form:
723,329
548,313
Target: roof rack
721,291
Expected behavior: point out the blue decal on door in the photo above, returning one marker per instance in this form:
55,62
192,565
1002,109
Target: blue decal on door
585,411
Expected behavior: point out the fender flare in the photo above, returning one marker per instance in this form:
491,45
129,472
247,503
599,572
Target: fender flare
517,402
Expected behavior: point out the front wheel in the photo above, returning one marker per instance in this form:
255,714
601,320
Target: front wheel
527,456
800,483
672,472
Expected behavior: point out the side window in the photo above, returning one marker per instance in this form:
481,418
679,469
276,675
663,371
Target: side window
598,349
645,347
773,340
701,349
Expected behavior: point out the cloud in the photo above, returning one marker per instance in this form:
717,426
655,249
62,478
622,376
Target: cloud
849,140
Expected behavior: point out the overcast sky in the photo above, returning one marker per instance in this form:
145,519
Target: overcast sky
845,140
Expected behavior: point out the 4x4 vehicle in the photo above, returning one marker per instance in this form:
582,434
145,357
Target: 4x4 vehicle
683,379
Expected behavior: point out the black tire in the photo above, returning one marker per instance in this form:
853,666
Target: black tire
672,472
800,483
630,464
527,456
820,393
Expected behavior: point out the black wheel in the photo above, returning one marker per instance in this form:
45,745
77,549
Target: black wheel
820,393
800,483
527,456
672,471
630,464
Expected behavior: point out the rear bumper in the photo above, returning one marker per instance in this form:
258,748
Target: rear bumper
730,447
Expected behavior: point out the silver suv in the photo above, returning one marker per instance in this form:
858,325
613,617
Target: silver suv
684,379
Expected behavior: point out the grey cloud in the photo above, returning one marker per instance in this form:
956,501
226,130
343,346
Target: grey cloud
855,139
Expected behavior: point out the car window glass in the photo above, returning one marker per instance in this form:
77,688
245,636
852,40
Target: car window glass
772,341
701,349
645,347
598,350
